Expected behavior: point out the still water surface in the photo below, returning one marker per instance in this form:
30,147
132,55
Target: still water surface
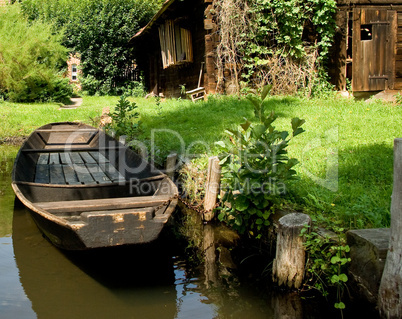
38,280
158,281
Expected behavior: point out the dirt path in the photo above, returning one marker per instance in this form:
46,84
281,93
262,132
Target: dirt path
75,102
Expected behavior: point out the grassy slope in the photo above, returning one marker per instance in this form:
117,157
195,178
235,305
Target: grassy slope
356,136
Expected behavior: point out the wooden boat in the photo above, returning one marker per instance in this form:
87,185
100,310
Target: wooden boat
86,190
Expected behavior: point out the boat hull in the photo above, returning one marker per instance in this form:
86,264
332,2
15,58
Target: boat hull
89,195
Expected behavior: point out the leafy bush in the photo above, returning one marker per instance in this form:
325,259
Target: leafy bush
256,169
125,119
31,56
99,31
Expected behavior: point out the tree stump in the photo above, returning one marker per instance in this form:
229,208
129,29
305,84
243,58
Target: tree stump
390,291
288,266
212,187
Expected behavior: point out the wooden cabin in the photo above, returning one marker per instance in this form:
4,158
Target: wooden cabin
180,41
175,49
368,45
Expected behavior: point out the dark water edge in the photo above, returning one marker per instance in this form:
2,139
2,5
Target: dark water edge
192,271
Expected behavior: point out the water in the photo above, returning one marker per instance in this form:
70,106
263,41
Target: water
188,273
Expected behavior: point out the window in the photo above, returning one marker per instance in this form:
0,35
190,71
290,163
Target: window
176,47
74,72
366,32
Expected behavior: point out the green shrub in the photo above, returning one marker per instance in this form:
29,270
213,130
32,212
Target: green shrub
125,119
256,169
31,56
100,32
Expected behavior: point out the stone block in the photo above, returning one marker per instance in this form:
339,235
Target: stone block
368,251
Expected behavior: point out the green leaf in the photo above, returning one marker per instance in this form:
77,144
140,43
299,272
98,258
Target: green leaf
259,221
335,279
241,203
296,123
298,131
245,125
265,91
254,100
258,130
343,277
284,135
221,144
340,305
270,119
335,259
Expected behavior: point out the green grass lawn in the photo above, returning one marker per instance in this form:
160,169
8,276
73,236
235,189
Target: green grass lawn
20,119
345,155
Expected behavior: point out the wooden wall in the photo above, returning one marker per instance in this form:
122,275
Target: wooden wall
398,57
341,61
197,16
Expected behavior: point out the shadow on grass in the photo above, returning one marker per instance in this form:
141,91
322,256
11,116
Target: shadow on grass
363,198
199,125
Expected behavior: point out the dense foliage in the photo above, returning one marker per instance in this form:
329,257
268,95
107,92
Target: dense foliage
274,41
99,31
31,56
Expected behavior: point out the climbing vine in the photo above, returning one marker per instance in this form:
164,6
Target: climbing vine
273,39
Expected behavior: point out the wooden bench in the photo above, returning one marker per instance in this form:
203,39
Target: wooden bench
197,94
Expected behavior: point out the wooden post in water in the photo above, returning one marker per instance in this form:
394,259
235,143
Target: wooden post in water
390,291
288,266
123,139
212,187
171,165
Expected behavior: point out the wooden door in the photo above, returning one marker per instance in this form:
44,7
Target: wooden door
373,50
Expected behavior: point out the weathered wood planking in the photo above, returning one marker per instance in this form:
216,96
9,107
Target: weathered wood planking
99,157
74,168
97,174
42,174
373,58
76,158
54,158
56,174
43,159
87,158
65,158
110,171
103,204
70,175
84,176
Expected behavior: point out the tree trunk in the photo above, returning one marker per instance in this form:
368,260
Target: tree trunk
288,266
390,292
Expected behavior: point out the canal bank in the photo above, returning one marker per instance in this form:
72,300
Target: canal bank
207,268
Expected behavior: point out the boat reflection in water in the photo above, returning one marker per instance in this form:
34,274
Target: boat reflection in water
91,285
150,281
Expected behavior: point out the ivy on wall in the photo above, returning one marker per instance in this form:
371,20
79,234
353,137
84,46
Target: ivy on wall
267,33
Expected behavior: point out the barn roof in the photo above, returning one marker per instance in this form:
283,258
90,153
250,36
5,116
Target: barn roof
143,30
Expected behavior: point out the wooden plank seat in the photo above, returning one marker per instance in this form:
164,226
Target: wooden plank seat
74,148
103,204
74,168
